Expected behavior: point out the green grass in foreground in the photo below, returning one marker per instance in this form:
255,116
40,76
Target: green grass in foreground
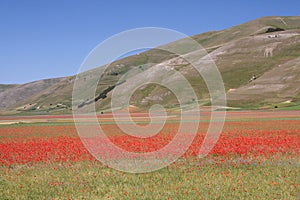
185,180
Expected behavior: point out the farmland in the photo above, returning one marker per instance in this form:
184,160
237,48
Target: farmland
256,156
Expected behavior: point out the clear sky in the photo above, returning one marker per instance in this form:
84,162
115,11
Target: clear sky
46,39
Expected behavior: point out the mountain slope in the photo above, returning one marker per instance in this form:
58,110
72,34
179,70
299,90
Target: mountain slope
281,84
267,48
13,95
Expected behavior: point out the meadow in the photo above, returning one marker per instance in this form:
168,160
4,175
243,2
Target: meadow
256,156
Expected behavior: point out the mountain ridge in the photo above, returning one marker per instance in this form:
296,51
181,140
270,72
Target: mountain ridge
240,52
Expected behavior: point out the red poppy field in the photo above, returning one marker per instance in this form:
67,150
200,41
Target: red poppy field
257,154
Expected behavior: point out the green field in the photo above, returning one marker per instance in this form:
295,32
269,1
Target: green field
271,175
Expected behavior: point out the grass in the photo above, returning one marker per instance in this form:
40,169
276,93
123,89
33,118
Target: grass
186,180
291,108
295,105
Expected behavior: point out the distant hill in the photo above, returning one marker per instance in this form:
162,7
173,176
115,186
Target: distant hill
267,49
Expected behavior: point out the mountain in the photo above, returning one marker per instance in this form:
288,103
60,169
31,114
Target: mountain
259,62
13,95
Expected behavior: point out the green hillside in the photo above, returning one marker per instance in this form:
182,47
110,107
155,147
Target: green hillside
240,53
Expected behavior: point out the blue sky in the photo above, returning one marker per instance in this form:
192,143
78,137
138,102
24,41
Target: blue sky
45,39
